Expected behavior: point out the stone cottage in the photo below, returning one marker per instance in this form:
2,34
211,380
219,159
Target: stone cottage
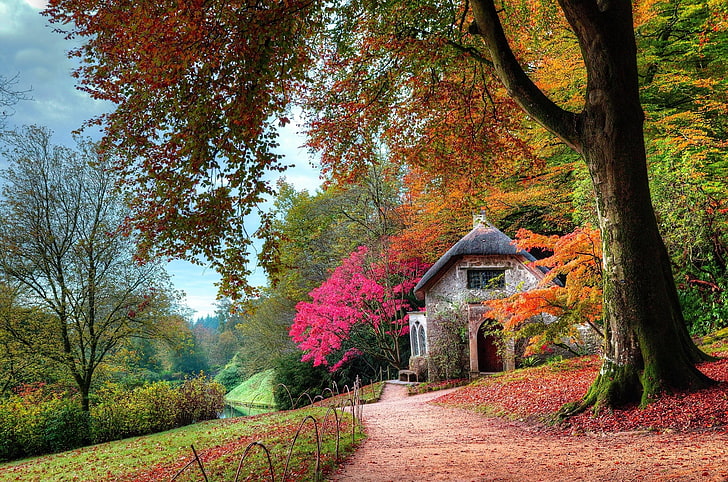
482,265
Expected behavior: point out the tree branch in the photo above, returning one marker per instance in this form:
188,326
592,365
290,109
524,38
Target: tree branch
470,51
520,87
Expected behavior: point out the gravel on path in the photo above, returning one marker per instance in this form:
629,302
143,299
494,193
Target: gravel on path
411,439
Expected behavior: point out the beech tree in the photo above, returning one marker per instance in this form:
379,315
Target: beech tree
647,345
69,271
201,87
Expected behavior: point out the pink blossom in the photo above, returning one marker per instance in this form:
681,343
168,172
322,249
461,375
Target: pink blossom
365,290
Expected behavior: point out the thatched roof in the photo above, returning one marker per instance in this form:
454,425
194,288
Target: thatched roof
484,239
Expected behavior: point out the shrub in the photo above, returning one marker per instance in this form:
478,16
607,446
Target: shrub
448,351
112,415
28,430
232,375
199,399
154,408
107,422
299,378
67,426
705,311
38,420
158,402
147,409
9,447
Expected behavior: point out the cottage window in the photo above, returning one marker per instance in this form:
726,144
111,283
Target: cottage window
418,339
481,279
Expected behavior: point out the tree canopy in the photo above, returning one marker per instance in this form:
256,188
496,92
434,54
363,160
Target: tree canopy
481,104
363,304
577,259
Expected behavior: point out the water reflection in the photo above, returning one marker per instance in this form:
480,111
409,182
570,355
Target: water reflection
232,411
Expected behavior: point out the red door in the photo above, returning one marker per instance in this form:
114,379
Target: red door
489,360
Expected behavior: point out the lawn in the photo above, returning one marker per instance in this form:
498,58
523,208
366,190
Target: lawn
219,443
256,391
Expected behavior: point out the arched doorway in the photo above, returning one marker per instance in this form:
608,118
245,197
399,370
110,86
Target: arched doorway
489,359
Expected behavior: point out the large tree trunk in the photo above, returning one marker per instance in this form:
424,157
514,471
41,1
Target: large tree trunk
647,346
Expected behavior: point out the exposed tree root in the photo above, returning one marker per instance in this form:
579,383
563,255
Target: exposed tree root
617,386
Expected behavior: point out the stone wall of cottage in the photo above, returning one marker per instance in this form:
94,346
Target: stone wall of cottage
451,288
451,291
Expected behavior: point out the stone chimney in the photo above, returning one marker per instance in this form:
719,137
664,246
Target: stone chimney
479,218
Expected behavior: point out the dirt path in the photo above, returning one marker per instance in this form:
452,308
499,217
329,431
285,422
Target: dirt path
410,439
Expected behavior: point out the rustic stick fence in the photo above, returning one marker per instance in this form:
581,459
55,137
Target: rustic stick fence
351,403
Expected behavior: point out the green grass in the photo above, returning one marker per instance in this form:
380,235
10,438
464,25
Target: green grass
220,444
716,342
426,387
255,391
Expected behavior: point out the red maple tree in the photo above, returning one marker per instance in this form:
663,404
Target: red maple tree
360,309
576,259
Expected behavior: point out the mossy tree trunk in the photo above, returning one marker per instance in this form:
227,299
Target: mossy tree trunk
647,346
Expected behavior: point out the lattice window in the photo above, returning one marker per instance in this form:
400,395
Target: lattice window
482,279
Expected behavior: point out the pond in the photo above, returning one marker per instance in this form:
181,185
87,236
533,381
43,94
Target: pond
232,411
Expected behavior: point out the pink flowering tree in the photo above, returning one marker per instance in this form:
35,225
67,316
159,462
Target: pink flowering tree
361,309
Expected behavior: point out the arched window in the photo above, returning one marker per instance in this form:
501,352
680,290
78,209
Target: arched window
422,340
418,339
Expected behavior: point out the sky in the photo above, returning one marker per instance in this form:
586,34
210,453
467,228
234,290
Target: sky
32,51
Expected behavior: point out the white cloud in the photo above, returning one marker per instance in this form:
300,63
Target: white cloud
34,57
12,13
37,4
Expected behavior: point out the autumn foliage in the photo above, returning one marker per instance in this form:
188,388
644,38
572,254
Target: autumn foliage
202,87
360,309
537,394
576,259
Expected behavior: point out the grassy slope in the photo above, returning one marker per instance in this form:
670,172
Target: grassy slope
220,443
256,391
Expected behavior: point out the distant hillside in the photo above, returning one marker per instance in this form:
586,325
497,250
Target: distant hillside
256,391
